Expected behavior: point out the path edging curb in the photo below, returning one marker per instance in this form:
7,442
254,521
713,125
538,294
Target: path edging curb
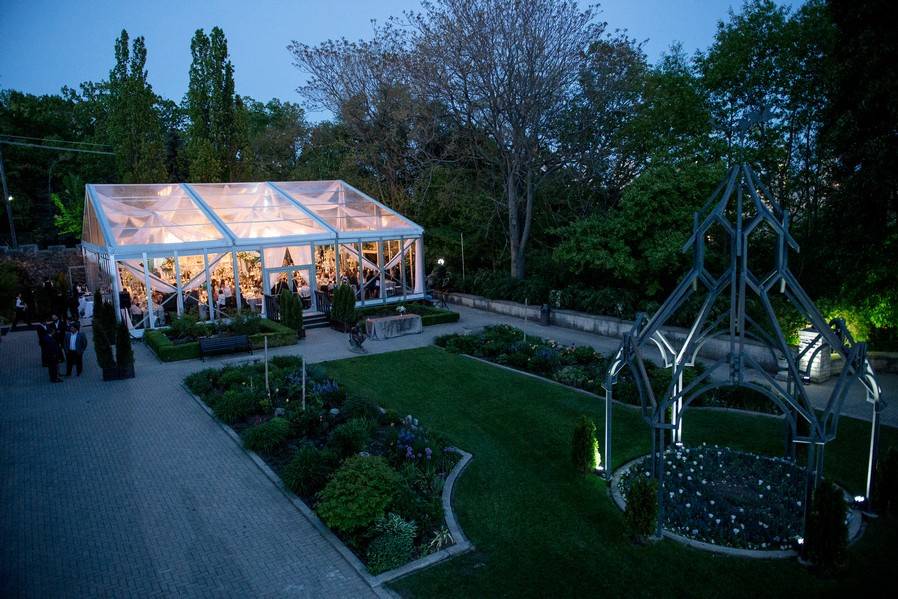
461,545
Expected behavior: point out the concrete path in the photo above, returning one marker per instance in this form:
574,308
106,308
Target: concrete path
129,488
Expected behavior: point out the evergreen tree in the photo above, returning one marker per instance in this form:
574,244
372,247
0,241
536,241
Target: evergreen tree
134,128
214,139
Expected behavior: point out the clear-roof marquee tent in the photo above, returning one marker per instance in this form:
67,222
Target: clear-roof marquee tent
215,248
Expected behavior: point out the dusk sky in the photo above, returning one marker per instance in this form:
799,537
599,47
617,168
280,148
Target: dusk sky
46,45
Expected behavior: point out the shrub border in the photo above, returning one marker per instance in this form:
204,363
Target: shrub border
461,544
278,335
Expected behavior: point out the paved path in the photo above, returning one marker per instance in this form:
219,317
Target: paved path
129,488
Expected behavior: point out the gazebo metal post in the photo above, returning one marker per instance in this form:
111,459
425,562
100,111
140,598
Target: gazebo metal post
609,387
874,452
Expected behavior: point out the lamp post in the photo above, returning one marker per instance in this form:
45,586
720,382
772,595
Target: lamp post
8,198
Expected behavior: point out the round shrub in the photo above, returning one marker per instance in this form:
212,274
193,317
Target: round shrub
359,493
394,544
308,471
583,355
305,423
235,405
641,514
350,437
826,536
575,376
463,344
585,446
356,407
202,383
267,437
545,360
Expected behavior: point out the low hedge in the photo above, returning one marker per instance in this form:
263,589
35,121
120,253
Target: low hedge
430,315
168,351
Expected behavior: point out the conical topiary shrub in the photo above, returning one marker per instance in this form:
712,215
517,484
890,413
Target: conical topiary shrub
103,331
343,309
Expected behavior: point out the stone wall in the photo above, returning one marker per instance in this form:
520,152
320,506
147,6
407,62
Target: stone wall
39,265
607,326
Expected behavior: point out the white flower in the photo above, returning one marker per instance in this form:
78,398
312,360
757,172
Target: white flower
798,502
768,487
688,478
736,531
760,482
688,505
717,520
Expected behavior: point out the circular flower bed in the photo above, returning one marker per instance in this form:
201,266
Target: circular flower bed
727,497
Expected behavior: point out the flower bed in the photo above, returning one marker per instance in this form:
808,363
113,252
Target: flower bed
170,345
726,497
584,368
430,315
373,477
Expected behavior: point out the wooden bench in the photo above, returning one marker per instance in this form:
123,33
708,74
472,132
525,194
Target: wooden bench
224,345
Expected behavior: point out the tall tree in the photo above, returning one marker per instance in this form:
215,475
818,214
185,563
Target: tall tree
504,70
213,135
861,132
133,127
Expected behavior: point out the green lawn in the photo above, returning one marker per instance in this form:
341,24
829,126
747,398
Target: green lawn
541,530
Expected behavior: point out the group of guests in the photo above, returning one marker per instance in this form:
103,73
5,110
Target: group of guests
61,341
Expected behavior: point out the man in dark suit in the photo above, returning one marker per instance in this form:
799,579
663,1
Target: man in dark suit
75,344
50,354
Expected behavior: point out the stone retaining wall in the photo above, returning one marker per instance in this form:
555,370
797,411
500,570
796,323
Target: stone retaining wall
41,264
607,326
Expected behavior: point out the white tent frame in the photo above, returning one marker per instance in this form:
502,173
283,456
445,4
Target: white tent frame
229,242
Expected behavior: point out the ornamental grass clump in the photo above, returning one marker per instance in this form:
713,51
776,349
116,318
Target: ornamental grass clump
268,437
394,544
641,514
826,535
235,405
585,446
350,437
359,493
309,470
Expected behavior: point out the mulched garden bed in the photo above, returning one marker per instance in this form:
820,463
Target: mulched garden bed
727,497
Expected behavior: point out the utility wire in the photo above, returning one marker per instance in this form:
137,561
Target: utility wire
46,147
81,143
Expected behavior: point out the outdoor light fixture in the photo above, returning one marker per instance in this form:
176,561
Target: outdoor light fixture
800,540
441,261
9,199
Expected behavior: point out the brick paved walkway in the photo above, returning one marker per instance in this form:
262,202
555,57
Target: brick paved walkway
129,488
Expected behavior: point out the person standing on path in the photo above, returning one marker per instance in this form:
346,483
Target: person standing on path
50,354
21,312
75,344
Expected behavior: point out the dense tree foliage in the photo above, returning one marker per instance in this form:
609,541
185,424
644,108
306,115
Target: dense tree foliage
562,156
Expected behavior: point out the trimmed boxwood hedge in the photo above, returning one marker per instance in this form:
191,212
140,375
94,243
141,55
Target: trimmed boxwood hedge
430,315
167,351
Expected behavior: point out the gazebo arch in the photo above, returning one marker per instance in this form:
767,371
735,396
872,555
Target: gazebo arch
739,206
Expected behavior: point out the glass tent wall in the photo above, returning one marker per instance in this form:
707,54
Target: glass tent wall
215,249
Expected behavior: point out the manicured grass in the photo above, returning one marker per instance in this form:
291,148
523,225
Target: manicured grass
542,530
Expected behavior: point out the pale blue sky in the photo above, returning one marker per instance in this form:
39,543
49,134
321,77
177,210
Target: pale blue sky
45,45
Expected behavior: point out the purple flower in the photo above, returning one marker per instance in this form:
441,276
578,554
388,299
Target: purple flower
409,453
428,452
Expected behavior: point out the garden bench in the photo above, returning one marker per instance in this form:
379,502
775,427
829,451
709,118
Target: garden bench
224,345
